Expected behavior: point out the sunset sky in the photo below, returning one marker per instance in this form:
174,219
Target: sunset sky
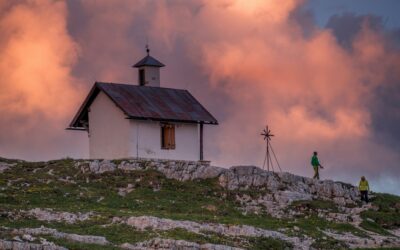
324,75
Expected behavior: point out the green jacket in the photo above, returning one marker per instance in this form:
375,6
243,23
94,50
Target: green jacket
315,161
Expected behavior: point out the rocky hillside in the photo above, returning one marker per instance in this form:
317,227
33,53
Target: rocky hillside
153,204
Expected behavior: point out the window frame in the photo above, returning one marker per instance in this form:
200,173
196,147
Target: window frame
167,142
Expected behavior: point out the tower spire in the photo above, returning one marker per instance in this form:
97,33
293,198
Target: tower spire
147,49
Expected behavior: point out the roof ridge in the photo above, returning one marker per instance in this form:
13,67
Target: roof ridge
138,86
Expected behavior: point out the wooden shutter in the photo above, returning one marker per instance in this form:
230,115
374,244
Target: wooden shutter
172,136
167,136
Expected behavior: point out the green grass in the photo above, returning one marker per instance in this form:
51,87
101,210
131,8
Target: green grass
37,185
71,245
374,227
268,243
315,205
313,226
387,202
385,215
176,200
328,243
118,234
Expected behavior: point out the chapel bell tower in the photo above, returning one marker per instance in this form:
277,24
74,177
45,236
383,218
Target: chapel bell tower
149,70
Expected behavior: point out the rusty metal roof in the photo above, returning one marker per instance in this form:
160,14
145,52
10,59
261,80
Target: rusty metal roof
147,103
148,61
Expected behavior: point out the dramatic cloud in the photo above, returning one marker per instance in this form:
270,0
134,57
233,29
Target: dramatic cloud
37,91
314,93
327,89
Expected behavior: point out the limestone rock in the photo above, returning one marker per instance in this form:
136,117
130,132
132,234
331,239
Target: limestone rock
184,171
97,166
296,187
373,241
129,166
124,191
90,239
166,244
14,245
285,186
4,166
50,215
28,237
287,197
150,222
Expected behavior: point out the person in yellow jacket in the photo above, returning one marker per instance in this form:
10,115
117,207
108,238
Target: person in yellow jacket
364,188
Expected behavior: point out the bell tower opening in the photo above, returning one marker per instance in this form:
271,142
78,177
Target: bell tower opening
141,77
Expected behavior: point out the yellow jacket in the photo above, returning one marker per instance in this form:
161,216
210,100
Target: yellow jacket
363,186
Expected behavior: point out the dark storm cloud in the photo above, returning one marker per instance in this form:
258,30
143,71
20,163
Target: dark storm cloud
346,26
304,17
386,112
385,105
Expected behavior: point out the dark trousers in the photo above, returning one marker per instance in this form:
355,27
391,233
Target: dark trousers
364,196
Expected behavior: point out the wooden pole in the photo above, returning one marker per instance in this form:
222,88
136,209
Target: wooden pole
268,154
201,142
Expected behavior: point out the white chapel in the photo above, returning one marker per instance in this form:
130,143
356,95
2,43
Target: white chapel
144,120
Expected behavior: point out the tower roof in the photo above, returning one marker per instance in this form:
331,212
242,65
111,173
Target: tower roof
148,61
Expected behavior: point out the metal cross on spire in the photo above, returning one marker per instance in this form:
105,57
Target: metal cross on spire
267,137
147,49
267,133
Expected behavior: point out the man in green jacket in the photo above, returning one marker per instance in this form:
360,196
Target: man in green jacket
316,165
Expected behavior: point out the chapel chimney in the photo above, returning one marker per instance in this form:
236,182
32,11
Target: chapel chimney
149,70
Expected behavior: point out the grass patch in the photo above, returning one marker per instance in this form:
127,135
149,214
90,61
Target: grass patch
72,245
315,205
153,194
374,227
313,226
263,243
117,234
205,237
384,215
387,202
328,243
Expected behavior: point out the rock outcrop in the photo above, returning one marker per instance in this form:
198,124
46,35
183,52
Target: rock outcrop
50,215
150,222
285,187
4,166
16,245
89,239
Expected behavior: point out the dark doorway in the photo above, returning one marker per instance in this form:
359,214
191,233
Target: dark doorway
141,77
